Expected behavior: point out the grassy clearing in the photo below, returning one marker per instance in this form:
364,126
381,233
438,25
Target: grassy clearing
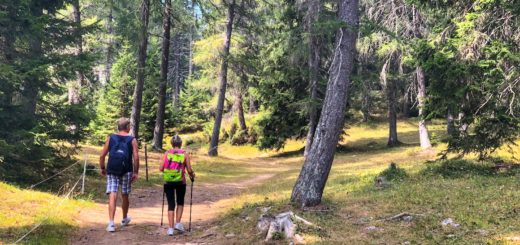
484,202
21,209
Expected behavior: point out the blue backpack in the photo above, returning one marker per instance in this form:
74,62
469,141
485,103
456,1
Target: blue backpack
120,155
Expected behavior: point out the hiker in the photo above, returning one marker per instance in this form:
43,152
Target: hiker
120,172
174,164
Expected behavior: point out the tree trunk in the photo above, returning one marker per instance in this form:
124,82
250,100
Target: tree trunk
450,122
141,63
213,147
75,86
158,131
192,30
421,95
313,13
392,113
252,106
309,186
110,45
175,71
463,126
366,102
405,106
240,111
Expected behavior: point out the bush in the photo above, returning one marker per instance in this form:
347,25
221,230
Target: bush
224,135
241,138
233,130
393,173
458,168
253,136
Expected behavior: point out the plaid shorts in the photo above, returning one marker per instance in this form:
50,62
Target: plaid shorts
114,181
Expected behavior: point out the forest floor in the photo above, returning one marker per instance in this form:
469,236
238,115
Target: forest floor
233,190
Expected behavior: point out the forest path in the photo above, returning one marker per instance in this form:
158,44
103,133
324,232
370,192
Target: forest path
209,200
145,210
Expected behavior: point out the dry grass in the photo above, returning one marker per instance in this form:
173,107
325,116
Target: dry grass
20,210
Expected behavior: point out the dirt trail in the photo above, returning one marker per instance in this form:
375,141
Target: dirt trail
145,210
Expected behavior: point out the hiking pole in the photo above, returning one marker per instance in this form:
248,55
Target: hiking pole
162,211
191,202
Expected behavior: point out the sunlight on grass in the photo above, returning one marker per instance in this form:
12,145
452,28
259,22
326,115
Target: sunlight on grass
20,210
484,205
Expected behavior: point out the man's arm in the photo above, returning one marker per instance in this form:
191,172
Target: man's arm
102,157
135,155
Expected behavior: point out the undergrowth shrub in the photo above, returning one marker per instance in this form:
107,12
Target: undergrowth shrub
456,168
393,173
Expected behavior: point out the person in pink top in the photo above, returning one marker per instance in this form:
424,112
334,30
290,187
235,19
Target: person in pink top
174,165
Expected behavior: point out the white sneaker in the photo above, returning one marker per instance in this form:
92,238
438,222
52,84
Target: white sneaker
111,227
170,231
179,227
126,221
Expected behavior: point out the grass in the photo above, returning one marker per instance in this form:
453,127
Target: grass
485,203
20,210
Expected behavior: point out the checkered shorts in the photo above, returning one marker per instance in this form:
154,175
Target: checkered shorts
114,181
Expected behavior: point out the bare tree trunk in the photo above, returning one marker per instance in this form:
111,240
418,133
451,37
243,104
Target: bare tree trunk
392,113
405,106
240,110
110,45
366,102
313,12
213,146
252,106
141,63
463,126
421,94
192,30
158,131
175,46
391,90
75,86
309,186
450,122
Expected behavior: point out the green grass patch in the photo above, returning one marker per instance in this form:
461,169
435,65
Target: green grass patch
21,210
482,201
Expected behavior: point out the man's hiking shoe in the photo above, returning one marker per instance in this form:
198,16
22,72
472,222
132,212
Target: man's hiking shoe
111,227
126,221
179,227
170,231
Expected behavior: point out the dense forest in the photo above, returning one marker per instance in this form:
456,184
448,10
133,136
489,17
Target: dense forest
276,70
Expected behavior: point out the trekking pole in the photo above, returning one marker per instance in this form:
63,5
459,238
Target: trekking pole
191,202
162,209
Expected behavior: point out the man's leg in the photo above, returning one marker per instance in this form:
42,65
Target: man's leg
125,205
126,188
112,188
112,199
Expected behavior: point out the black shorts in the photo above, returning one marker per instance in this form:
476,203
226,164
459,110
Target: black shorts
175,192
